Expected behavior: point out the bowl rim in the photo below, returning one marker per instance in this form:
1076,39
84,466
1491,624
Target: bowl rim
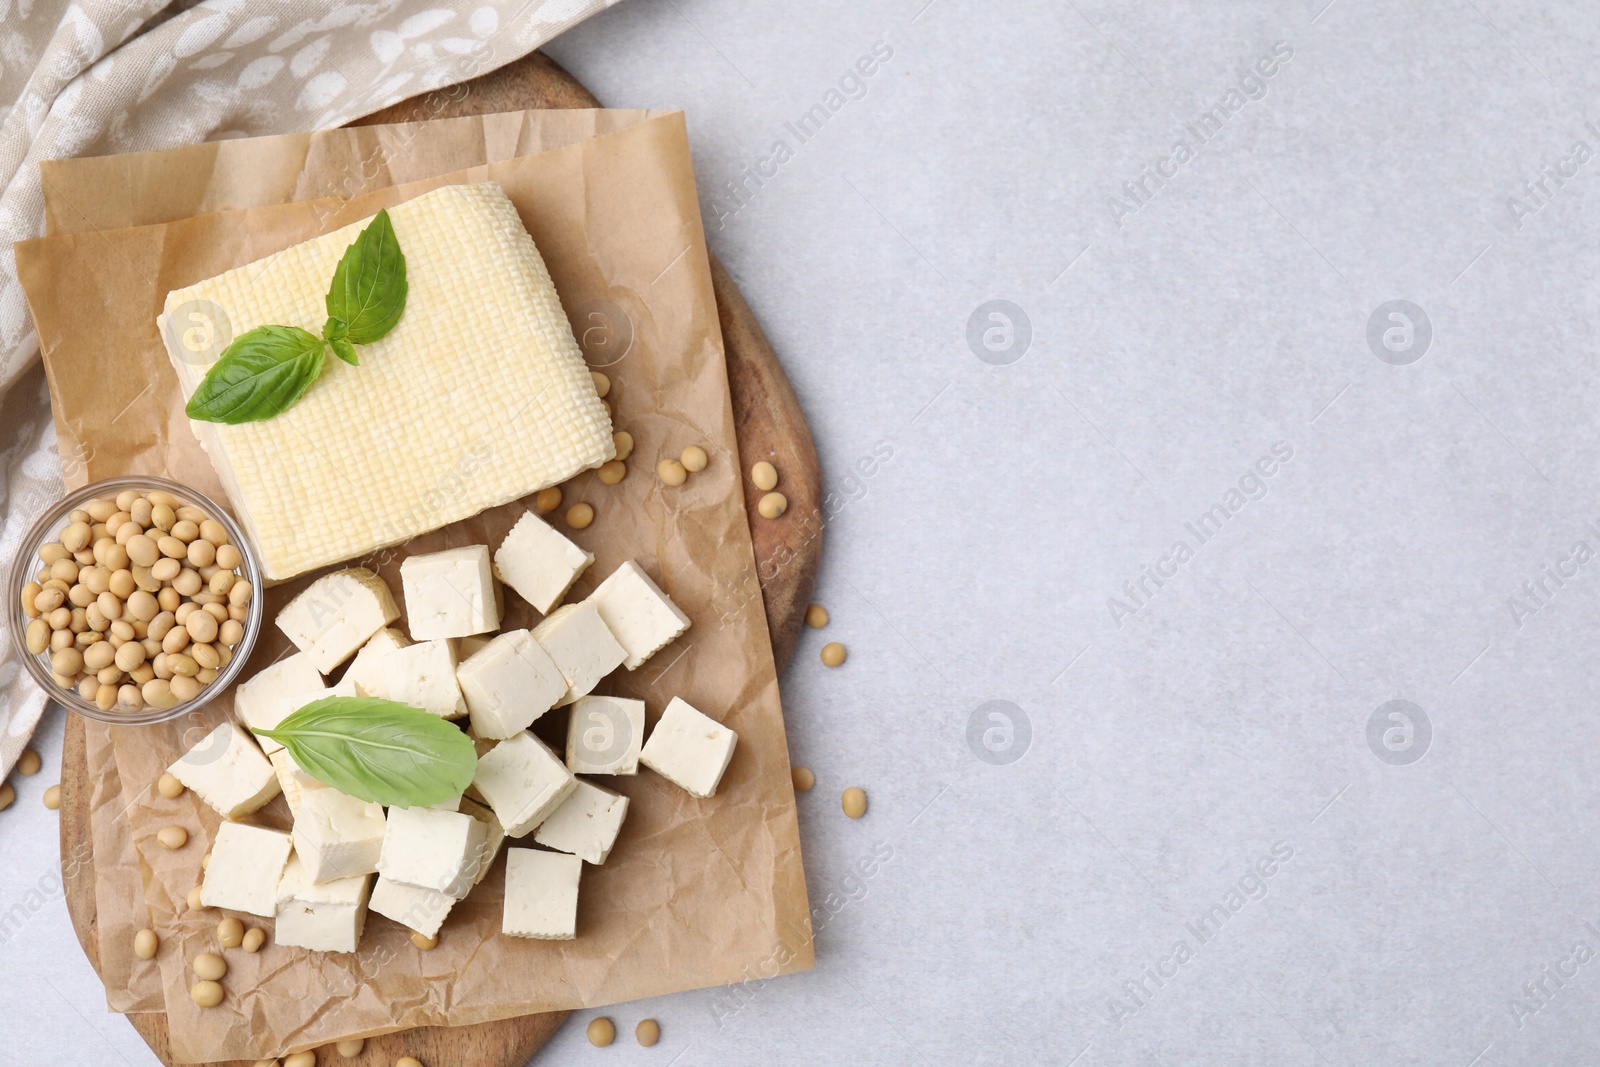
19,573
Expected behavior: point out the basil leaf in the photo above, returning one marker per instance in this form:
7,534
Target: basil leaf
378,750
369,287
261,373
344,350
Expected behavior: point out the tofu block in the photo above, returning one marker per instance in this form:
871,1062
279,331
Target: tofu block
541,895
586,824
226,770
337,836
294,782
434,849
450,593
640,616
583,647
439,422
604,735
336,614
494,835
326,916
246,866
422,910
508,684
689,749
366,672
424,676
539,562
270,695
523,781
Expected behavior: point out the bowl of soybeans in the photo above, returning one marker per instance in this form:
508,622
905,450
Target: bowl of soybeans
134,600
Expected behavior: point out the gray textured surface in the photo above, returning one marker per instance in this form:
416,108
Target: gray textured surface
1228,714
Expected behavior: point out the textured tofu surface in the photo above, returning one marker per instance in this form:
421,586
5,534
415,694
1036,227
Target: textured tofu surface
689,748
541,895
478,396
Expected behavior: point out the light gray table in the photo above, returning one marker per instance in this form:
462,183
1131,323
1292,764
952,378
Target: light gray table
1196,830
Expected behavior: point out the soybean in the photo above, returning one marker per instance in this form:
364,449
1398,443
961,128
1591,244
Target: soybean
146,944
253,940
601,1031
169,786
52,798
765,476
172,837
301,1059
816,616
207,994
804,779
648,1032
671,472
351,1048
210,966
773,505
549,499
833,654
694,459
230,932
854,802
580,516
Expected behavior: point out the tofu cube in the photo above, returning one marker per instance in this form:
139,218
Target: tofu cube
422,910
640,616
424,676
326,916
541,895
469,646
586,824
272,693
226,770
434,849
508,684
689,749
450,593
337,836
366,672
539,562
494,835
604,735
523,781
294,782
336,614
583,647
246,866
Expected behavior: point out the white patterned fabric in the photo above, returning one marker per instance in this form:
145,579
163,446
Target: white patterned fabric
95,77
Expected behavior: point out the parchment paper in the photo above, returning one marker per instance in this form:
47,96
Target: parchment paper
696,892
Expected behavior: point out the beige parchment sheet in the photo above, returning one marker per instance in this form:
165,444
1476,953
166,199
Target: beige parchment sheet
696,893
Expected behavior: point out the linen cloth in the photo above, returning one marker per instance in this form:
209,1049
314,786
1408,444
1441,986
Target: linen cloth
95,77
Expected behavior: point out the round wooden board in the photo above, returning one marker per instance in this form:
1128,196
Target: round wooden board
771,426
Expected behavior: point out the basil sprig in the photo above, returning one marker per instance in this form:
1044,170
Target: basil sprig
378,750
265,371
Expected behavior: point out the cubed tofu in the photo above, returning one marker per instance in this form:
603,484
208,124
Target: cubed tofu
327,916
450,593
366,673
422,910
469,646
586,824
337,836
523,781
604,735
539,562
424,676
226,770
494,835
270,695
293,780
689,748
639,615
336,614
246,865
583,647
508,684
541,895
436,850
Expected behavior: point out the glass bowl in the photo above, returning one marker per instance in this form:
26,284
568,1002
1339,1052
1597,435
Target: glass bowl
48,528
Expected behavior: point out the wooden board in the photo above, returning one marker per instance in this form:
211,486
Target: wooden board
770,426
